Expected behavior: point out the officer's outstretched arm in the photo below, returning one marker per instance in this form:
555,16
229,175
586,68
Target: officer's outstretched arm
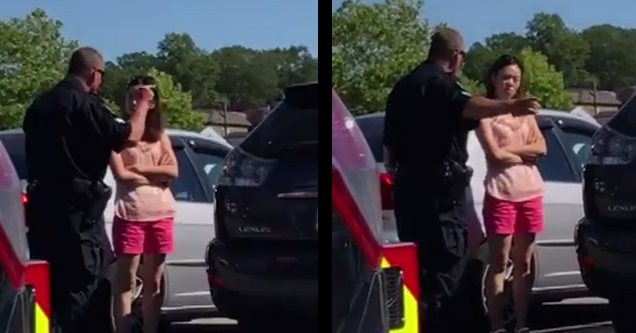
479,107
460,103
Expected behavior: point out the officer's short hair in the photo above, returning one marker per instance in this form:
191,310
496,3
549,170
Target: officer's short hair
84,58
445,42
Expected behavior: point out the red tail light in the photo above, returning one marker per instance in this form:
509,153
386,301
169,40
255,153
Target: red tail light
386,191
23,198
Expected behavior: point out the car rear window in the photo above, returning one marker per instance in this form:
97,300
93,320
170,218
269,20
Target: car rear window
625,119
14,144
293,123
372,129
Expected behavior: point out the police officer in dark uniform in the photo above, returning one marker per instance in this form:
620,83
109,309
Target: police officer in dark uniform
428,117
69,136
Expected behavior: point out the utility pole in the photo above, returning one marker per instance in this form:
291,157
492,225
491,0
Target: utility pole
225,125
595,96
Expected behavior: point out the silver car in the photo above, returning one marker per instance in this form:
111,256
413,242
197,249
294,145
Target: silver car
556,270
186,289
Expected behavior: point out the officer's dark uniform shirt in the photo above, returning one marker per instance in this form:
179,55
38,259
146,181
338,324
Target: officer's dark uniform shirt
423,121
70,134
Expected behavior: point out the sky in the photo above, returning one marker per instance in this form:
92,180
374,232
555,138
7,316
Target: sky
120,26
478,19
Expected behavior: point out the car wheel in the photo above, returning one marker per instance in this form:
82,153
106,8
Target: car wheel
621,312
507,305
136,317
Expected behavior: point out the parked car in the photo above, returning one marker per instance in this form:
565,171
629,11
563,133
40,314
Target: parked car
263,263
373,283
21,309
200,158
557,277
606,236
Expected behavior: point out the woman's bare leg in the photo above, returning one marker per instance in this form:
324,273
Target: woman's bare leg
125,280
499,250
152,273
522,253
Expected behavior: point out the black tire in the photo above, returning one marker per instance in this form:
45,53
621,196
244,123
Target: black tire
622,309
136,317
137,322
471,296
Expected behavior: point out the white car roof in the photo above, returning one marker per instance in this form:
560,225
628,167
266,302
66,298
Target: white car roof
171,132
542,112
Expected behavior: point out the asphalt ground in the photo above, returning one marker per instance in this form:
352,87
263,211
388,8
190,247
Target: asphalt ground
587,315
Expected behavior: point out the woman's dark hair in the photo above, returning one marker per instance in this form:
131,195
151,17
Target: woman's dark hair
154,120
499,64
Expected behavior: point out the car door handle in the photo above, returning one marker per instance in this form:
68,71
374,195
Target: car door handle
299,195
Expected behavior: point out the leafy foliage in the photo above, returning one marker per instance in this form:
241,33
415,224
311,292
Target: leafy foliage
372,45
176,104
543,81
33,56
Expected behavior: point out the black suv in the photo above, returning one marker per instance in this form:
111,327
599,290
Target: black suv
606,237
263,264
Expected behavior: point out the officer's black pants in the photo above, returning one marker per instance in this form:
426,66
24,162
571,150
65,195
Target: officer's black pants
441,237
72,244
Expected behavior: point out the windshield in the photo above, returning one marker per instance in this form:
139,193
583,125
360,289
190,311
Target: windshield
624,121
284,129
354,161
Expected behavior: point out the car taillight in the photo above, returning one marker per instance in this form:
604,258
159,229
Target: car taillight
243,170
23,198
611,148
386,191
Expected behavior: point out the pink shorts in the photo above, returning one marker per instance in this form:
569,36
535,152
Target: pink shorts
503,217
137,237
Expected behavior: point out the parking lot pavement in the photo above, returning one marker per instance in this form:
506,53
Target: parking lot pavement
221,325
587,315
216,325
584,315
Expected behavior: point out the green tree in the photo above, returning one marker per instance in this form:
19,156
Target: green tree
176,104
294,65
191,66
372,45
544,82
611,58
119,72
472,86
481,55
248,78
33,57
565,48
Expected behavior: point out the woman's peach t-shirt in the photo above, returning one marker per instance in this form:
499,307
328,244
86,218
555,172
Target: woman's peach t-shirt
519,182
143,203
